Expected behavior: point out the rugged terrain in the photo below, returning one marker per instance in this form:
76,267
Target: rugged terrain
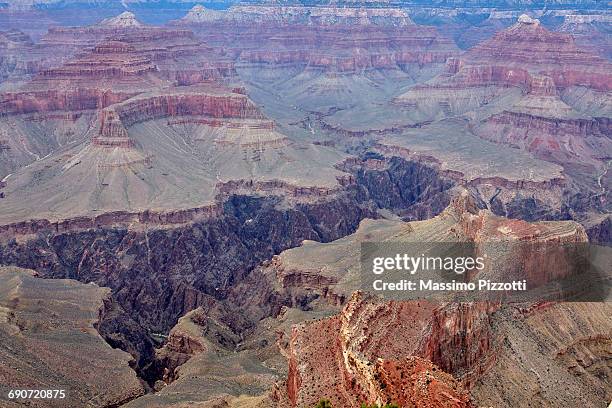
443,114
197,193
49,340
411,352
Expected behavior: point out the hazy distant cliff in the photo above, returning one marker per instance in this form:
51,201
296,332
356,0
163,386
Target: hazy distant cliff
433,3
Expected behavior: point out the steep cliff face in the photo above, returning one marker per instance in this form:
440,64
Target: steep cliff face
293,282
142,273
188,102
60,100
459,339
601,231
529,194
210,102
320,16
393,186
555,139
529,45
419,383
370,353
455,337
148,279
143,254
339,357
187,339
484,348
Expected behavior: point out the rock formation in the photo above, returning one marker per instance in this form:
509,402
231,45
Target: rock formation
58,107
334,48
231,146
589,30
129,62
339,357
319,15
547,98
323,361
49,341
123,20
200,14
527,48
219,174
369,353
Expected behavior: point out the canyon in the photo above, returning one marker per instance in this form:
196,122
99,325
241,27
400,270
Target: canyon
185,203
357,354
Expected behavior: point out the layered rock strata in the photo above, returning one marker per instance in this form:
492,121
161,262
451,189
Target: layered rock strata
320,15
339,357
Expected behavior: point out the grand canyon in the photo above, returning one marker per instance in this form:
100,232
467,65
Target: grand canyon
187,189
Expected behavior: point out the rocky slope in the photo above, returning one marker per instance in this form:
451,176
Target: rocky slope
218,181
590,30
101,65
374,350
327,357
50,341
549,98
202,367
341,357
560,341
